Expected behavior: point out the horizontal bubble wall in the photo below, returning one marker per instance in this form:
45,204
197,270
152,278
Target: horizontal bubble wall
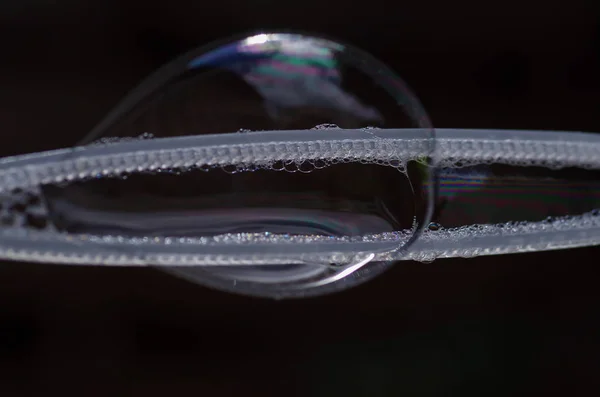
290,199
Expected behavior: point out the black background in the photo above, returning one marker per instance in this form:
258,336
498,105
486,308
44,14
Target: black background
510,325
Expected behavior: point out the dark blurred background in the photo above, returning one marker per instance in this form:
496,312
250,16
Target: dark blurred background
510,325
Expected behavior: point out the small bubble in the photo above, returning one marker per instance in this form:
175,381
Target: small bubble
306,167
319,163
434,226
146,135
230,169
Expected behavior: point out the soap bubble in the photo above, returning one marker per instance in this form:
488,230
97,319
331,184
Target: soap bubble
263,82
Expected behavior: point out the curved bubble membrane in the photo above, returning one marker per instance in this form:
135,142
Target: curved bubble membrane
261,82
271,81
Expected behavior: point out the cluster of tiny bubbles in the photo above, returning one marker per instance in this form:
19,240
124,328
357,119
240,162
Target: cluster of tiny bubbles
291,166
146,135
427,258
326,126
274,81
114,140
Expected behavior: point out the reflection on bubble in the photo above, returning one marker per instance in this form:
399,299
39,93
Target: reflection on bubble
265,82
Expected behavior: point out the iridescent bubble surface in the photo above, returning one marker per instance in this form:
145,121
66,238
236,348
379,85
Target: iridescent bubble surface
499,193
265,82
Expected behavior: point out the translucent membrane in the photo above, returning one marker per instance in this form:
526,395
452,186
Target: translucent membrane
260,82
265,82
213,201
495,194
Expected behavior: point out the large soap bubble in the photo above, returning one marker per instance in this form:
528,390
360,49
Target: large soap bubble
263,82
